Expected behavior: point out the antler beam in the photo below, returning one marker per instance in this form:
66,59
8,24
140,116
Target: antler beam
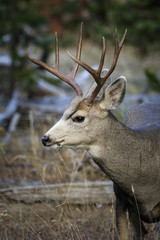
70,79
97,73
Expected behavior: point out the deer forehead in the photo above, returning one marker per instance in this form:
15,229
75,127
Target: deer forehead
74,106
78,106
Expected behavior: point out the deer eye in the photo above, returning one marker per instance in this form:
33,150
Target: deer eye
79,119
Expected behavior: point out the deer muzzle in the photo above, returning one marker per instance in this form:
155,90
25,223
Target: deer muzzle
48,142
45,140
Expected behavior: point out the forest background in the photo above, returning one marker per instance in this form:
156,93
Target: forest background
33,181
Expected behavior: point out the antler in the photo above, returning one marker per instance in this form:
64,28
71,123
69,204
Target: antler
55,69
97,73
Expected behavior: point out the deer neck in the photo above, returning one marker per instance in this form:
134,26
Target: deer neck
113,150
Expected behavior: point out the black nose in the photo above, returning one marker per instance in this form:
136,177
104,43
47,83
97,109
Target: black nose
45,139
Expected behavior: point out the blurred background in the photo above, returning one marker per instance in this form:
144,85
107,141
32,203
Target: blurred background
26,25
32,100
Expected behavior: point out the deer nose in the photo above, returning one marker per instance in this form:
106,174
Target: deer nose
45,139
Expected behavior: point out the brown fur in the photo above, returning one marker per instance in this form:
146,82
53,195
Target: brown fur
128,153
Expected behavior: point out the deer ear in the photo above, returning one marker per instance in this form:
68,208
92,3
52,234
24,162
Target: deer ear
114,94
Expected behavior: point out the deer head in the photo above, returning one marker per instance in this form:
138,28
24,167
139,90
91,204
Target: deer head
82,122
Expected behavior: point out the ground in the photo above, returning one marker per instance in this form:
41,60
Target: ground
52,221
25,162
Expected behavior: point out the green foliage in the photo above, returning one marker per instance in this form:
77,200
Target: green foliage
48,79
15,15
16,19
153,81
142,19
27,80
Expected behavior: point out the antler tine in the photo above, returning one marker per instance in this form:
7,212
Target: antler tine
94,72
55,69
123,38
84,65
78,53
102,56
118,47
57,52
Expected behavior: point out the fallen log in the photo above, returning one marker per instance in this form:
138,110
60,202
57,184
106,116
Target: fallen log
98,192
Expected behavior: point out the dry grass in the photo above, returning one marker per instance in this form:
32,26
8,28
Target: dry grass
55,221
24,162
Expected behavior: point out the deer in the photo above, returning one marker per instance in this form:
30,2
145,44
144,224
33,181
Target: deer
128,152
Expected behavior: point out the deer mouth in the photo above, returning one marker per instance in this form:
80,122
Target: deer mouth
56,145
